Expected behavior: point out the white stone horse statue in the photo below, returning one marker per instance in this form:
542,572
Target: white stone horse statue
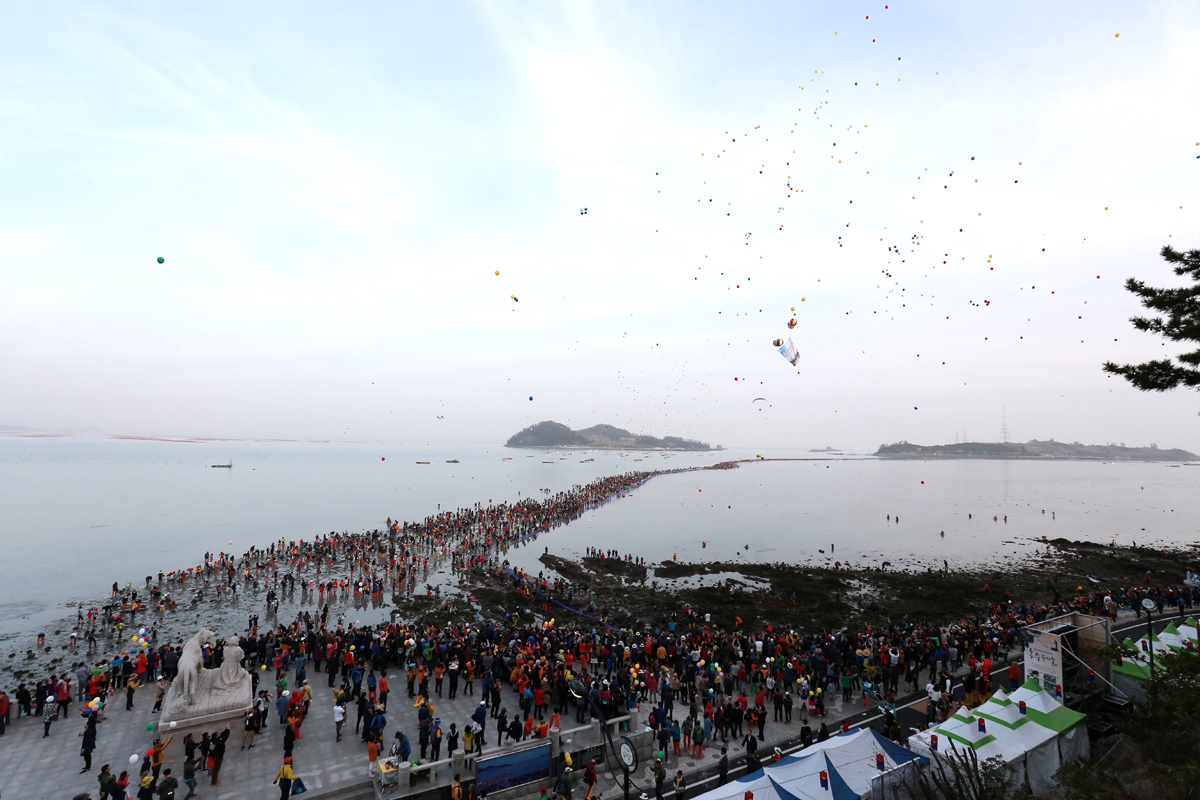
191,663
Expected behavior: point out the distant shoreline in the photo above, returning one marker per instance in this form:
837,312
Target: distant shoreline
1035,450
957,457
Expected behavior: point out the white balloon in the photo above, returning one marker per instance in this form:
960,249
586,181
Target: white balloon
133,759
173,723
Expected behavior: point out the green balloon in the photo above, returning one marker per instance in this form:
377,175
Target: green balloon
161,259
149,726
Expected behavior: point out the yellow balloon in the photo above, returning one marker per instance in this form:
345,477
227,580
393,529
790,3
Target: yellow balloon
793,308
801,299
134,639
497,272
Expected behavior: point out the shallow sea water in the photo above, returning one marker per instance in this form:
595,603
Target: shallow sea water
78,514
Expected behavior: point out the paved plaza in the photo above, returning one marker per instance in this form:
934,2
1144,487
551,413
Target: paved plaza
36,767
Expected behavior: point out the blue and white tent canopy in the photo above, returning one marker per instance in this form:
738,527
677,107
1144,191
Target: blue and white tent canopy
850,762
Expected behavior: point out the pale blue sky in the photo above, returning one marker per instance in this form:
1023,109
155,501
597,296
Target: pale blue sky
334,187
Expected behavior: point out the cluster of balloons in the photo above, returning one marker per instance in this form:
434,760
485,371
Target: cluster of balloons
142,638
94,706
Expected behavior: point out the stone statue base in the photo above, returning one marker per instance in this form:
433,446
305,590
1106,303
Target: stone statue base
198,726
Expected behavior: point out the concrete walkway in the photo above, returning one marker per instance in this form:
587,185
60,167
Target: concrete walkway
33,767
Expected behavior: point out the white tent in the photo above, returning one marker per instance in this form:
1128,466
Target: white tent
851,763
1128,674
1030,730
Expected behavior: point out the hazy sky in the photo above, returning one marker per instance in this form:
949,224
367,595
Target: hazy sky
334,186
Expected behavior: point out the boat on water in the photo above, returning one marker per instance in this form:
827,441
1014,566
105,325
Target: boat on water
422,462
223,466
452,461
508,458
586,460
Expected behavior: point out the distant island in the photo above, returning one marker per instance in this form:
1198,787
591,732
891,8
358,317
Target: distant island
555,434
1034,449
826,450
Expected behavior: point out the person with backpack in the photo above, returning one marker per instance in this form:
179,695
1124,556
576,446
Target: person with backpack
698,741
589,777
167,785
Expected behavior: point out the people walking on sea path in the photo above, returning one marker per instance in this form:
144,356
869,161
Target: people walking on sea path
686,666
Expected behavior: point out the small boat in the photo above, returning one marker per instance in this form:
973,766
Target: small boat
223,466
422,462
547,462
452,461
508,458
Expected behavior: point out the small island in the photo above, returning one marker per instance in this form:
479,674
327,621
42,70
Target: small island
600,437
1034,449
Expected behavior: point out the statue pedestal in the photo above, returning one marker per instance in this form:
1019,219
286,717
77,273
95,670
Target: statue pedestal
198,726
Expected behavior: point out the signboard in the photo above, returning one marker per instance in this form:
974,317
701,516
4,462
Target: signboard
584,756
1044,660
513,769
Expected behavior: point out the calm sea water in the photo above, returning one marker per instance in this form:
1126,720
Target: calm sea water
77,514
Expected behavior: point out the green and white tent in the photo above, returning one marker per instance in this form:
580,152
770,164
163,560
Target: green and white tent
1128,675
1033,741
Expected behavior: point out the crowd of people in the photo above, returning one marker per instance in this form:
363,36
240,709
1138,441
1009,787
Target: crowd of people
696,681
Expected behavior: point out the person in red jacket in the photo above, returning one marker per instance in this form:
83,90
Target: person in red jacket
589,777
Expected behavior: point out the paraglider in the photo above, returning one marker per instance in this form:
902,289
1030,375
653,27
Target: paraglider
755,400
788,351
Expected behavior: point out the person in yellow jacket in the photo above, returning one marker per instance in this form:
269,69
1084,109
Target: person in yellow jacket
156,754
284,778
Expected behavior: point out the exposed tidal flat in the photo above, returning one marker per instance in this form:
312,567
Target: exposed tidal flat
82,513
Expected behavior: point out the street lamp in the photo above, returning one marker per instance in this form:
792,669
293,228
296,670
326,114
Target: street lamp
626,755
